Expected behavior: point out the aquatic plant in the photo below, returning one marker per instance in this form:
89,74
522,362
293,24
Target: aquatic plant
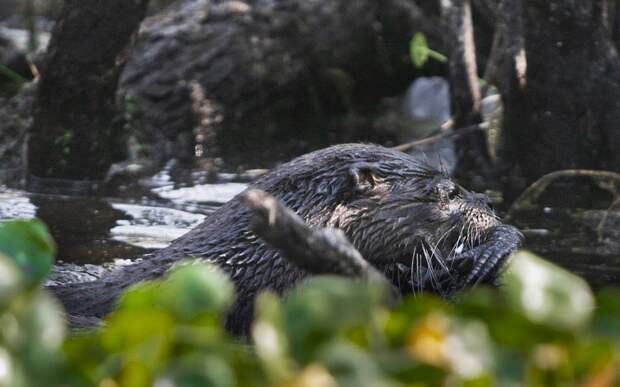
540,328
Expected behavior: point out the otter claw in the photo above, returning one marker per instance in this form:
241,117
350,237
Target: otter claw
485,264
487,257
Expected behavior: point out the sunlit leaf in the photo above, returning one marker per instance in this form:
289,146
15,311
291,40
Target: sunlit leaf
7,377
270,340
469,351
10,280
418,50
548,294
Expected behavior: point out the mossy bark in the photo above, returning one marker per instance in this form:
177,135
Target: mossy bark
74,134
563,113
464,87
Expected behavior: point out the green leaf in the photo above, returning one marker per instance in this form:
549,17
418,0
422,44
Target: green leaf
470,351
189,291
10,280
548,294
420,53
269,340
200,370
350,365
418,50
30,246
606,321
194,289
325,306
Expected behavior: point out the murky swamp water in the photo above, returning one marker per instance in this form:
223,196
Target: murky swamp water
95,234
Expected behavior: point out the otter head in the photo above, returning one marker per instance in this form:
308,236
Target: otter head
413,222
405,217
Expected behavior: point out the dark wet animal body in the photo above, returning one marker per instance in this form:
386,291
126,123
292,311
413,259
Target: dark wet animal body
409,220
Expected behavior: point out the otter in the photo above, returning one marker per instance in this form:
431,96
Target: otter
406,218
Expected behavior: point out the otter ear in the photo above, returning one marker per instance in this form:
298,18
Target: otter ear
364,177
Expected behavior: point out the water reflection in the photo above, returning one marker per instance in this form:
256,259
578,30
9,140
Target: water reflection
91,231
15,204
152,227
204,193
81,228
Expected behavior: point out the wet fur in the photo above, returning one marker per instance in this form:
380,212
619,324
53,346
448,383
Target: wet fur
406,218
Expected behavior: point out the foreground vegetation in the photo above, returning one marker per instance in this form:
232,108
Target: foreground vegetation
543,327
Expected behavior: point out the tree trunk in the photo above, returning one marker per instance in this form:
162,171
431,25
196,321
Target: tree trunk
564,114
465,92
505,70
74,135
507,61
615,22
245,77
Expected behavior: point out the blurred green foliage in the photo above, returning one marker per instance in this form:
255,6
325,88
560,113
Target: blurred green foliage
543,328
28,244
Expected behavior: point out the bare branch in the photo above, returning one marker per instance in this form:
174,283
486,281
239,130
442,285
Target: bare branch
316,250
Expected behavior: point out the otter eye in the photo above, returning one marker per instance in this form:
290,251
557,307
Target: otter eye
453,192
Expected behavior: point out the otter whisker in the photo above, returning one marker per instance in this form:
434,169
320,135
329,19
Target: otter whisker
460,238
429,265
422,272
411,274
416,263
396,272
419,280
413,262
445,234
470,239
435,253
459,241
442,237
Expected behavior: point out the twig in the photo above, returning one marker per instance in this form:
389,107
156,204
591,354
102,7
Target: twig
451,133
527,199
316,250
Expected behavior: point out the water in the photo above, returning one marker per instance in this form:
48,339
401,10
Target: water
585,241
97,234
96,230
